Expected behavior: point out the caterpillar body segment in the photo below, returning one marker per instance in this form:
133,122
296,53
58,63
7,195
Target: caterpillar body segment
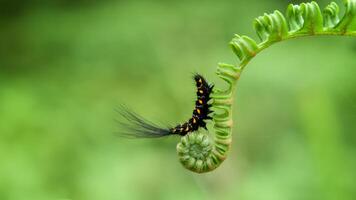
201,111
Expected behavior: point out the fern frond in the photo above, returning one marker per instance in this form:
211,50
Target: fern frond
306,19
199,153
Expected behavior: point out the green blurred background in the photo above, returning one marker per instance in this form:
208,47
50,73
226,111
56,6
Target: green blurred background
66,65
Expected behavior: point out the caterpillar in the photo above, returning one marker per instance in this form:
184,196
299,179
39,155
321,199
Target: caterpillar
142,128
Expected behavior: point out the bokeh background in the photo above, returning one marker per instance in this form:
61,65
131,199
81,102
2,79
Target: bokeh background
66,65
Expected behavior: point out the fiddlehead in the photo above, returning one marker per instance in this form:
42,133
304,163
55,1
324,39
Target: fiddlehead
196,151
200,153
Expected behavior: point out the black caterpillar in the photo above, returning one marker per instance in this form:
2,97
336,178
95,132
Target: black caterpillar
142,128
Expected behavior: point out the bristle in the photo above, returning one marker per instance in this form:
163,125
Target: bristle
138,127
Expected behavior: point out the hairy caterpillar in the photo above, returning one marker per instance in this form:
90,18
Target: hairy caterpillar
142,128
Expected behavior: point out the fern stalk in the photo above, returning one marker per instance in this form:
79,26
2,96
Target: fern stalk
199,153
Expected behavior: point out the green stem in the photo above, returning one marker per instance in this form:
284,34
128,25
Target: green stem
196,151
266,44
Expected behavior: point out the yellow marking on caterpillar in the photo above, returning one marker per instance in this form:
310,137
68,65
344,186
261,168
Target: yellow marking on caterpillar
198,111
201,91
194,120
187,129
181,129
200,81
200,101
